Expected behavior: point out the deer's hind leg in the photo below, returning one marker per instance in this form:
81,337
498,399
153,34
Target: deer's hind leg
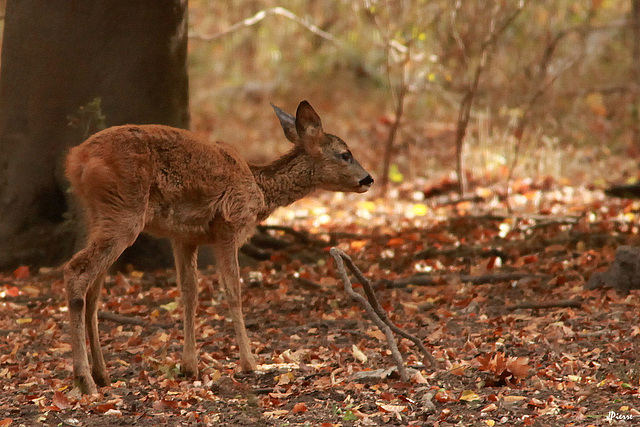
98,366
84,275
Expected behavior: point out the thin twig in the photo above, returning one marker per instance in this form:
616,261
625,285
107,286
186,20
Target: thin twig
280,11
127,320
483,279
575,303
593,334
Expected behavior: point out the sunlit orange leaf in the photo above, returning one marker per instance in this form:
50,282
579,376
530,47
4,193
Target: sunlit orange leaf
357,245
420,209
61,400
396,241
299,408
518,366
6,422
101,409
12,291
21,272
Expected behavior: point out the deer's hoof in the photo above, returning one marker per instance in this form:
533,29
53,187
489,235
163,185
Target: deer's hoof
248,365
189,371
86,385
101,378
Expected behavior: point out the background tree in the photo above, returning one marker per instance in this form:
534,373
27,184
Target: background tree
56,57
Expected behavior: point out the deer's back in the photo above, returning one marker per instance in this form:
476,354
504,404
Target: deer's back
182,185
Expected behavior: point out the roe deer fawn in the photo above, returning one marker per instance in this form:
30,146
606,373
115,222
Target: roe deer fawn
166,182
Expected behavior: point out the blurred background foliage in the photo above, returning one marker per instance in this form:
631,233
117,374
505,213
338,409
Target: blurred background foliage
557,96
565,64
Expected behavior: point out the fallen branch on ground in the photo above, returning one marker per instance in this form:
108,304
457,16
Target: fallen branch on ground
375,311
126,320
483,279
576,303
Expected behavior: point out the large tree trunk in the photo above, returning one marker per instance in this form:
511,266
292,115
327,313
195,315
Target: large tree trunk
59,55
635,69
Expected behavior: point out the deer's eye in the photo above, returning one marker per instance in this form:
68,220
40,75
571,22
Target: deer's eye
346,156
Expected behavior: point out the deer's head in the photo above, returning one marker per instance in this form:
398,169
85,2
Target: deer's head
335,167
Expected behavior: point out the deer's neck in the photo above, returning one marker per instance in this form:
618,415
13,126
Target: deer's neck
289,178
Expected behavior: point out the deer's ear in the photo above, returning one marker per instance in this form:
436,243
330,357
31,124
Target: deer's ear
309,129
288,123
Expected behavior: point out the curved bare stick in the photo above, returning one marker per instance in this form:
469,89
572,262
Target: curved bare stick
371,296
338,255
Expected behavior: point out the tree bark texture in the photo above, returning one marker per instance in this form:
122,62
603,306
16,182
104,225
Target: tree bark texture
635,68
57,56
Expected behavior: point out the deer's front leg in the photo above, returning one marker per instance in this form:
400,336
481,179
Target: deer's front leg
226,255
185,256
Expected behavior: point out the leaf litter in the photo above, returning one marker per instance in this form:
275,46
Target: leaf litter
504,357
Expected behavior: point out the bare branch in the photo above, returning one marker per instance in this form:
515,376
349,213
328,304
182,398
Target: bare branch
127,320
542,83
464,113
253,20
575,303
402,370
375,311
433,280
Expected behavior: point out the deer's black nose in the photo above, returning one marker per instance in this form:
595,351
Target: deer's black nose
366,180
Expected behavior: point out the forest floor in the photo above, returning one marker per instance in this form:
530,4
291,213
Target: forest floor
457,275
